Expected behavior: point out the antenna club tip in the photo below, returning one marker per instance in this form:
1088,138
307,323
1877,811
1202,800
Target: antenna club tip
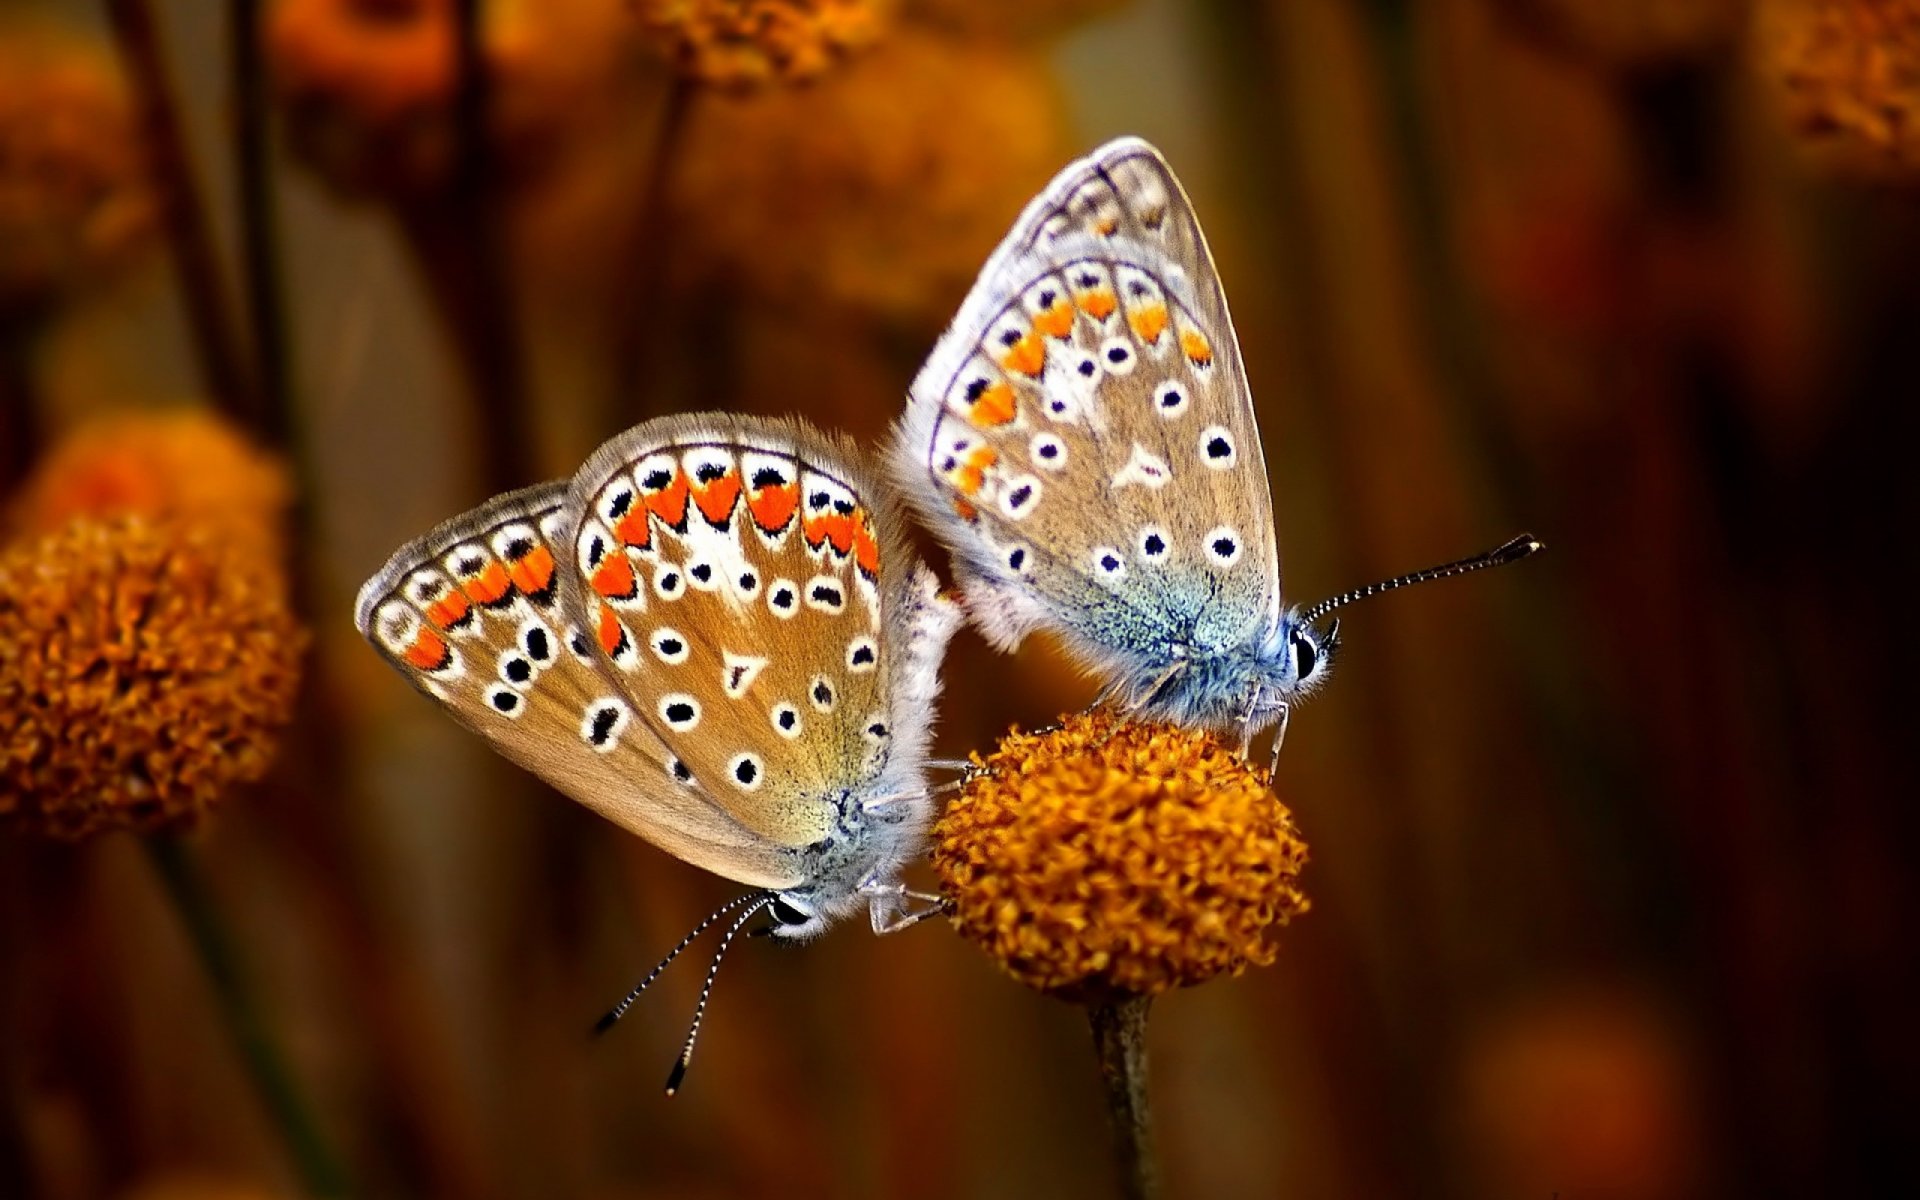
605,1023
676,1077
1520,547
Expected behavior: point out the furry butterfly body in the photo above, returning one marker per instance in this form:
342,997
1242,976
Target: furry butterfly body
1083,441
714,636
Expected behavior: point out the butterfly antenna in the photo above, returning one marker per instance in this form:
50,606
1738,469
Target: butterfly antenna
1500,556
620,1010
679,1071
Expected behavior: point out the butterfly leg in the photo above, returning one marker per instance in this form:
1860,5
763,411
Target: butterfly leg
1151,693
1279,739
891,906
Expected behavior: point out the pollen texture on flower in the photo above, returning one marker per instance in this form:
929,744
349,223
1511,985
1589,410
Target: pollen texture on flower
187,464
1847,77
146,667
746,42
1103,858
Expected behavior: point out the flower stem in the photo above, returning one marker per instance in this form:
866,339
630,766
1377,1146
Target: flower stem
1120,1041
319,1171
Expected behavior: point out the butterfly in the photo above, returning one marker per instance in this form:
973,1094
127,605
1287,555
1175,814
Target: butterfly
1082,439
715,636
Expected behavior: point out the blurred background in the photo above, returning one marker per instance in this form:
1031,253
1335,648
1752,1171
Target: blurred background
1612,851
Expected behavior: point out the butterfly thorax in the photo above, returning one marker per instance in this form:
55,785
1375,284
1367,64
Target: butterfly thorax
875,831
1229,688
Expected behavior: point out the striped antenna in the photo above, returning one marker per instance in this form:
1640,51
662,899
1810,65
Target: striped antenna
620,1010
679,1071
1512,551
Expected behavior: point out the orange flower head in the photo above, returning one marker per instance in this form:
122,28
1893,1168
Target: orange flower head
1105,859
145,669
751,42
876,192
188,464
1846,75
76,200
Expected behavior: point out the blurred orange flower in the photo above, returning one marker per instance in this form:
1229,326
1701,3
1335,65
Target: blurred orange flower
146,667
76,201
1103,858
188,464
1846,74
744,42
369,86
880,189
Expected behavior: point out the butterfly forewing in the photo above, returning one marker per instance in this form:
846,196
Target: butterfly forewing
732,574
481,615
1083,435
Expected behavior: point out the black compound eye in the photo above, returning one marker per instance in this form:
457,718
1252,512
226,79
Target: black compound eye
1306,656
786,914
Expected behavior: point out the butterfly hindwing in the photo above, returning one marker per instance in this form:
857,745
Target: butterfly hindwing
746,585
481,615
1083,436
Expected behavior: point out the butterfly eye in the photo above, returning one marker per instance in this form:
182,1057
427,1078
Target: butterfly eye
787,914
1306,656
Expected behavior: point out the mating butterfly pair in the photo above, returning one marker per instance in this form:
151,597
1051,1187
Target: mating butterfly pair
716,636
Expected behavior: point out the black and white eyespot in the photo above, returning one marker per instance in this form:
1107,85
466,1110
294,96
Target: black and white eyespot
703,575
863,655
1109,564
1019,497
516,669
578,645
1117,357
783,597
616,500
679,711
825,593
1154,544
786,720
746,771
738,672
1019,559
1086,367
537,641
1170,400
1217,449
876,730
746,583
669,583
1222,546
1048,452
680,773
592,547
507,702
821,692
603,723
669,645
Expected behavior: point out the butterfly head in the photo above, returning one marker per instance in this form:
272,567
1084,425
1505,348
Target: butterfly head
795,917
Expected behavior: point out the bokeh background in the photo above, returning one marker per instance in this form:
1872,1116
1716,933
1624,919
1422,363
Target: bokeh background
1612,851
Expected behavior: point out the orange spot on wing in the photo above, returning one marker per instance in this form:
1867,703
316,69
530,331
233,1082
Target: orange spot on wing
1097,303
489,585
610,632
1195,346
866,551
670,502
972,472
532,572
963,510
429,650
1149,321
448,610
773,507
717,498
1027,356
613,578
1106,225
633,528
1056,321
996,406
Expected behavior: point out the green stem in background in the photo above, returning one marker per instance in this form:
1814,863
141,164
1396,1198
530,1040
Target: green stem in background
319,1171
1120,1042
189,233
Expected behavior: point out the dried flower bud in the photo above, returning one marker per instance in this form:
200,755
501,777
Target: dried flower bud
76,201
1847,77
145,669
188,464
1104,858
748,42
